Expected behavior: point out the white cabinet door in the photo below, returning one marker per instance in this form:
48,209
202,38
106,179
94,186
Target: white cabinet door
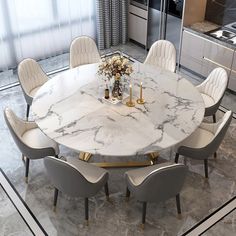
232,78
192,52
216,55
202,55
138,19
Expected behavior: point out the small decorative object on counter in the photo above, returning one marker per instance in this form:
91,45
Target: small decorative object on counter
130,103
117,90
115,67
141,100
106,93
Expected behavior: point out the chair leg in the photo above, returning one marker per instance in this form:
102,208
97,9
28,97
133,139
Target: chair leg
214,118
27,161
176,157
178,203
206,167
144,214
127,194
106,191
27,111
55,199
23,158
86,208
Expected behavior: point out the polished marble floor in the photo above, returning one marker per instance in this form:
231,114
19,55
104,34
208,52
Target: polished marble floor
199,196
138,53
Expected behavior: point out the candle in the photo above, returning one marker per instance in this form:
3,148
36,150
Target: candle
130,93
141,91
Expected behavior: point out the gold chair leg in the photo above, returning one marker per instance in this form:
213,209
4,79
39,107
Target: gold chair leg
85,156
153,157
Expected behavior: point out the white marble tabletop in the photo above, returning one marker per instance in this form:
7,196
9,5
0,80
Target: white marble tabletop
70,110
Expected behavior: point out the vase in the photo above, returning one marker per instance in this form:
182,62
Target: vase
117,89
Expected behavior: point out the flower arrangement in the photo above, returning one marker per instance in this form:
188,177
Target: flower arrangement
115,67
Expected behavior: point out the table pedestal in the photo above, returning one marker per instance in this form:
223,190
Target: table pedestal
84,156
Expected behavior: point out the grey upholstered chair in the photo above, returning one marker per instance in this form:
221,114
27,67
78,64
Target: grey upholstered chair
156,183
205,141
31,141
212,90
76,178
162,54
31,77
83,50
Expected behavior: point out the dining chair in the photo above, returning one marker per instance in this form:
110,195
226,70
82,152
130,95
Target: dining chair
31,141
212,90
76,178
204,141
162,54
31,77
155,184
83,50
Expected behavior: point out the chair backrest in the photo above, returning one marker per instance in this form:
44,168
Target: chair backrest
215,84
17,128
162,183
162,54
221,128
67,178
83,50
30,75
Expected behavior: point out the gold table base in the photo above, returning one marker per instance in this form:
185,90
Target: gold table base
152,160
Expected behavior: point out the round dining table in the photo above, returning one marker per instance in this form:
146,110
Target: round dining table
71,110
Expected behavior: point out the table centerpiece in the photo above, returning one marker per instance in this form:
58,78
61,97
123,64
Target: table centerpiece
114,68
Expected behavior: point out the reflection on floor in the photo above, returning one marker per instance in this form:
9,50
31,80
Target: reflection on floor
199,196
54,63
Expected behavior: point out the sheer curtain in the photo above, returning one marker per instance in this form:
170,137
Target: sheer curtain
112,22
42,28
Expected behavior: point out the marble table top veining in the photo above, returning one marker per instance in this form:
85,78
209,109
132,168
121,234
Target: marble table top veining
70,110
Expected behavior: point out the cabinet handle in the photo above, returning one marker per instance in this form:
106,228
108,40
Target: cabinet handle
216,63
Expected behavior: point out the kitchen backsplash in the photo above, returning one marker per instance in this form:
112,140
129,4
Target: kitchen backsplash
221,12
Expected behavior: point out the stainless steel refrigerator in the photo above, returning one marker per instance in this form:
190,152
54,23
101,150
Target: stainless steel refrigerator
164,21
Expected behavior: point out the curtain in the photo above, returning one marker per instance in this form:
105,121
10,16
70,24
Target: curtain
42,28
112,22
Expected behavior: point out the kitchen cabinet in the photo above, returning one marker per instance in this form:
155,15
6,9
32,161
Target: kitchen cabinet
192,52
138,24
215,55
232,78
202,55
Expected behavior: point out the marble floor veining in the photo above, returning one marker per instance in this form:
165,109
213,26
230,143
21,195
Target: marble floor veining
199,196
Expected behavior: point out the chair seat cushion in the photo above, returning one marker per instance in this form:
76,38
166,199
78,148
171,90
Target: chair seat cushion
34,91
198,139
208,100
90,172
137,176
35,138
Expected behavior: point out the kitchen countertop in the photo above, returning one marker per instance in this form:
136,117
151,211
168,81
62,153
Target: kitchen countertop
200,29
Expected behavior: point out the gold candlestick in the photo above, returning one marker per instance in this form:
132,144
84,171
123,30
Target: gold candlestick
130,103
141,100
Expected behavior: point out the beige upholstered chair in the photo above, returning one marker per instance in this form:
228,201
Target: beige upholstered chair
32,143
156,183
31,77
83,50
205,141
76,178
212,90
162,54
